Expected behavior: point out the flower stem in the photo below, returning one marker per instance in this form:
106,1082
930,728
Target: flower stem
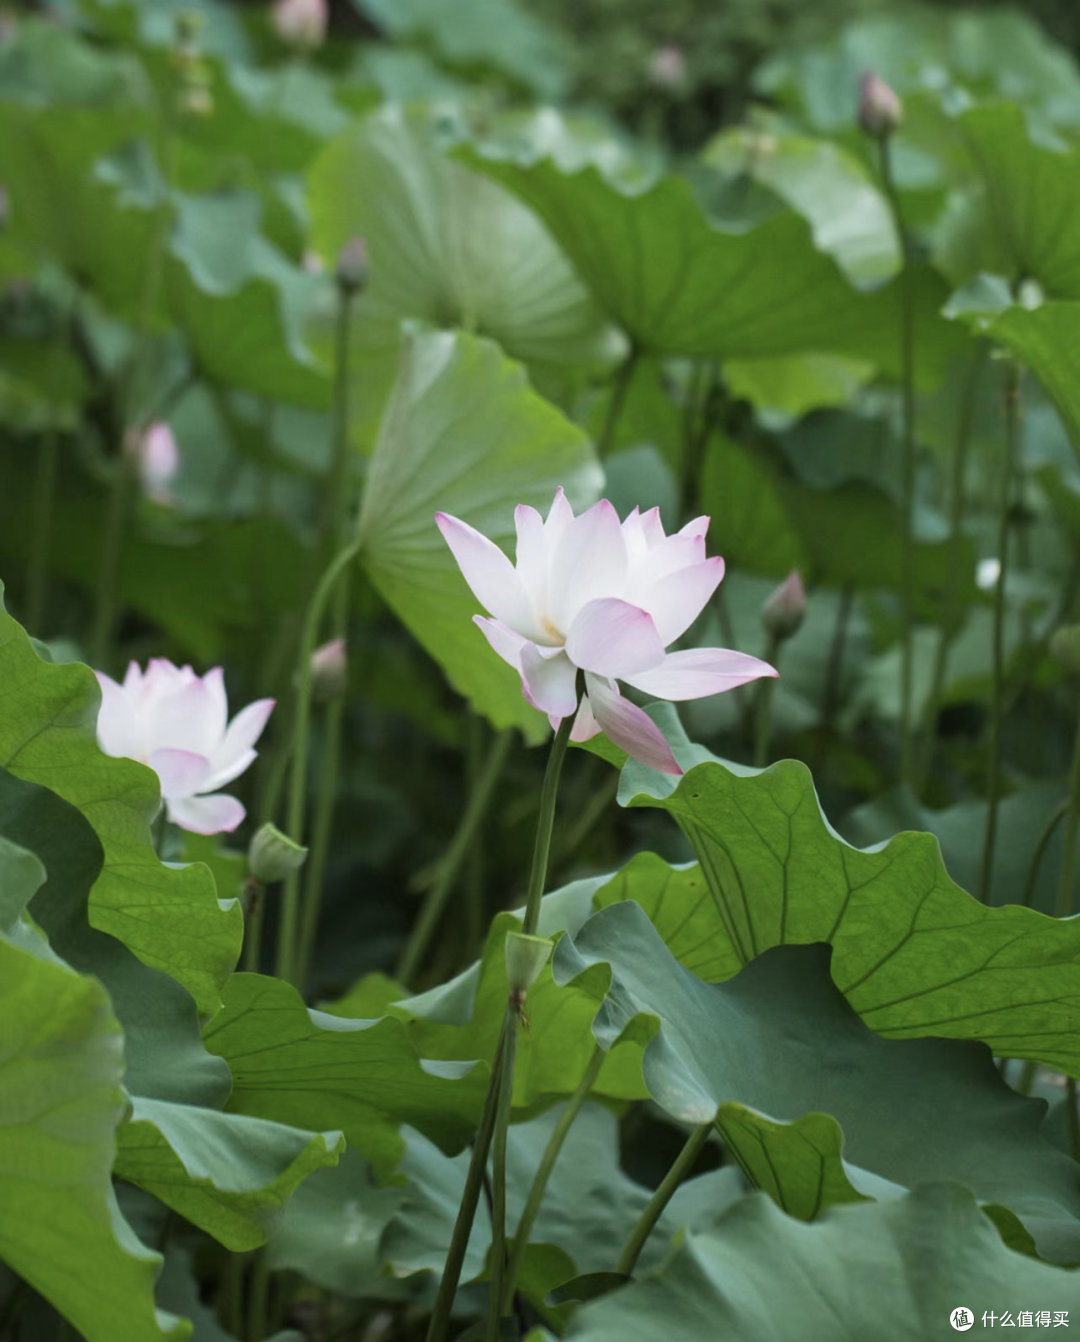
1064,904
543,1173
460,844
654,1209
993,764
620,387
474,1181
1040,853
907,434
287,949
544,823
952,610
1072,1118
763,708
106,611
498,1173
43,505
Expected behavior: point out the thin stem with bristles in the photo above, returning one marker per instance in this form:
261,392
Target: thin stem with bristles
654,1209
908,462
993,764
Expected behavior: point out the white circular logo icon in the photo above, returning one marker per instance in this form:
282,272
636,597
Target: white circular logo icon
961,1319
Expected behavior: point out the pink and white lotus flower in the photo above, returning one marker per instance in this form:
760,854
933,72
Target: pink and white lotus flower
177,723
595,595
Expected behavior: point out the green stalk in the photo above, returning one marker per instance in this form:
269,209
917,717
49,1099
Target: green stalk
955,542
287,950
1072,1119
681,1167
254,913
336,511
993,768
13,1307
619,389
907,433
498,1180
544,823
43,506
474,1182
543,1173
698,426
763,707
258,1319
435,903
1040,853
1064,905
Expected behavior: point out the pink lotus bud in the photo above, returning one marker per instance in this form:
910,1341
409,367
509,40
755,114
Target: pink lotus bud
300,23
157,459
667,69
785,609
329,670
880,110
352,265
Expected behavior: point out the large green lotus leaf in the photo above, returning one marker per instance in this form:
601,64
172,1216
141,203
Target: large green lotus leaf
163,1051
449,247
1045,338
311,1070
677,284
913,953
828,186
793,384
780,1039
896,1270
170,918
1023,192
465,434
226,1173
61,1063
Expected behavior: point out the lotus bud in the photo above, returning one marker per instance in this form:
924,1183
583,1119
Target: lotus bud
157,459
525,957
272,855
785,609
329,670
880,110
352,265
667,69
1065,647
300,23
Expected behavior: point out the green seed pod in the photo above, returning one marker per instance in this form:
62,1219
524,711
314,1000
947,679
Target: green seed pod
272,855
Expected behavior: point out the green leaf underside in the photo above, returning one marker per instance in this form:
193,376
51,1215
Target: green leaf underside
227,1173
781,1040
895,1270
170,918
913,953
310,1070
678,284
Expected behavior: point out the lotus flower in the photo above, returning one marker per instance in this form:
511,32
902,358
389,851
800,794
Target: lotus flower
175,721
157,460
595,595
300,23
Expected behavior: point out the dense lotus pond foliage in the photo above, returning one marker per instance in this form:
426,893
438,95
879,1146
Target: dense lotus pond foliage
539,676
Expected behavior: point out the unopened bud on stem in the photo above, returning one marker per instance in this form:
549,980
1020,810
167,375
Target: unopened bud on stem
272,855
880,110
329,670
352,266
785,609
525,957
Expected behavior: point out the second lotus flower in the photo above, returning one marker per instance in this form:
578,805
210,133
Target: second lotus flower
603,597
